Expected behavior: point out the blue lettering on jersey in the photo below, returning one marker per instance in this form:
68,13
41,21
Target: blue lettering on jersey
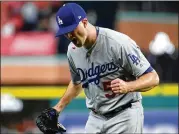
134,59
98,71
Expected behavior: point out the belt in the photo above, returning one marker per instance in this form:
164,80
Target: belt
114,112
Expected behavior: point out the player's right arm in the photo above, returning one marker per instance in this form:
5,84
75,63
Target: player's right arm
74,86
47,121
72,91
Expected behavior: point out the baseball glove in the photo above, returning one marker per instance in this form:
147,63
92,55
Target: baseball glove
48,123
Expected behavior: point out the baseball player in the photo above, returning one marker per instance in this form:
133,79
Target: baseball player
111,69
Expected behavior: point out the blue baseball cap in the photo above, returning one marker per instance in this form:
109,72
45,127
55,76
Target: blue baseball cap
68,18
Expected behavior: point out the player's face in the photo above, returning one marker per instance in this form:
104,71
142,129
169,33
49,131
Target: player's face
79,35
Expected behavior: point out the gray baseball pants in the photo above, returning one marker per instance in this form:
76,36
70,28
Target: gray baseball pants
128,121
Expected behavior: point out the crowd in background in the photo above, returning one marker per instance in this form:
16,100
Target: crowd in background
29,16
40,16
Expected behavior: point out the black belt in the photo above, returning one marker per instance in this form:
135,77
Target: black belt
115,111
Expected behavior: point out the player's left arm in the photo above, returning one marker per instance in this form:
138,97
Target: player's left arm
144,83
134,62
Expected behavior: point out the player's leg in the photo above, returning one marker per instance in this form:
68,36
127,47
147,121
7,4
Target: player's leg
128,121
94,124
141,120
138,110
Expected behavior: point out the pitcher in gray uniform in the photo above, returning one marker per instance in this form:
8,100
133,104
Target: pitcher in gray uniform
111,69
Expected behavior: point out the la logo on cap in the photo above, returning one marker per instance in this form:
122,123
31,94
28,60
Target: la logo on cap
60,22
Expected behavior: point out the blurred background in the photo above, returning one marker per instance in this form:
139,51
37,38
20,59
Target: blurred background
35,73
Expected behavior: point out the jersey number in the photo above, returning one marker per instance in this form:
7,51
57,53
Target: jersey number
107,88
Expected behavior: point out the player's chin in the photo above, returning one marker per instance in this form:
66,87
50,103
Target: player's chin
78,45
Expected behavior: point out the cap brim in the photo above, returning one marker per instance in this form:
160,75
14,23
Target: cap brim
65,30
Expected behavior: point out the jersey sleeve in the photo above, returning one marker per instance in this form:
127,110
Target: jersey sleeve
132,59
75,76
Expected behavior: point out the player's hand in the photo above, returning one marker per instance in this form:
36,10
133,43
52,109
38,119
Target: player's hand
47,122
119,86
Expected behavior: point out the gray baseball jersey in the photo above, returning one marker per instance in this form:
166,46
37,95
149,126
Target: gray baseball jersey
114,55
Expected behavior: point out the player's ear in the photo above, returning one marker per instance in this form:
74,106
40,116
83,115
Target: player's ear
85,22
